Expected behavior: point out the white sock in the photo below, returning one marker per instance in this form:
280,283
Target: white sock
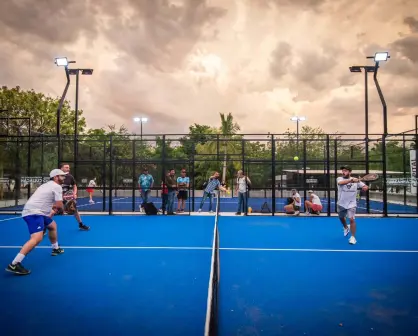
19,258
55,245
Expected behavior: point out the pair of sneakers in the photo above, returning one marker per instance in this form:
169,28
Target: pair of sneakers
18,268
352,239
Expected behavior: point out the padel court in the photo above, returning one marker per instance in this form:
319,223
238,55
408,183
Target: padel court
140,275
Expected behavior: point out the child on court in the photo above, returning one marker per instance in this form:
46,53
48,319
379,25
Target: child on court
38,214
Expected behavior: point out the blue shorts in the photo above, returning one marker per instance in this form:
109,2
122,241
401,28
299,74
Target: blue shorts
37,223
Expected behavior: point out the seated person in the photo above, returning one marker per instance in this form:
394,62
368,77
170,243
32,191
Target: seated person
314,204
294,203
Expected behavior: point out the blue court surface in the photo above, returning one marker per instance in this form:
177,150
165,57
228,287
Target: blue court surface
149,275
125,204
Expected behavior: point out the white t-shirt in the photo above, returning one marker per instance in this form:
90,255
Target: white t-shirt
92,184
243,184
347,194
297,203
42,200
316,199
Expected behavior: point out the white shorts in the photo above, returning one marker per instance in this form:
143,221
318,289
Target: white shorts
343,213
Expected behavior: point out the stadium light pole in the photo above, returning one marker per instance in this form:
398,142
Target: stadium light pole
62,61
76,72
297,119
367,69
382,57
142,121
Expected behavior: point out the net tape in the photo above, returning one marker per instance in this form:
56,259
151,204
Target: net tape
211,326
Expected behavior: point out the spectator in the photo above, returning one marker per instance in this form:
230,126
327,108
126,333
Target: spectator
294,207
145,184
212,184
314,205
183,183
243,182
171,183
164,194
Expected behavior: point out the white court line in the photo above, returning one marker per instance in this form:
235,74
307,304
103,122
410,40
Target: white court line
210,248
7,219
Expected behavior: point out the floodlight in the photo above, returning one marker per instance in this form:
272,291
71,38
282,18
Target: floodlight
86,71
355,69
141,120
381,56
61,61
298,118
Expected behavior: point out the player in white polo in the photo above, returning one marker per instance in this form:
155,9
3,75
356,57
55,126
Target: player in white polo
37,213
347,201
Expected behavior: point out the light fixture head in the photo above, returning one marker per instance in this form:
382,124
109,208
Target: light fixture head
61,61
381,56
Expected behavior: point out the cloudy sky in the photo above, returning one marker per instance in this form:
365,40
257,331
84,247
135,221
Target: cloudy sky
180,62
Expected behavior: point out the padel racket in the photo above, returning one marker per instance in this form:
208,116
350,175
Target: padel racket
68,196
70,207
369,177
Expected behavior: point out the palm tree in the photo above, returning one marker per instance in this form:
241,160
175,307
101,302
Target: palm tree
228,129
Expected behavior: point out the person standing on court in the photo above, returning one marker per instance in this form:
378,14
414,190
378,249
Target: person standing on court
70,186
171,183
243,183
37,213
347,201
145,184
183,183
213,184
90,189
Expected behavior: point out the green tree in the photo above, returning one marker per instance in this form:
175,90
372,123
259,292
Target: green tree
22,106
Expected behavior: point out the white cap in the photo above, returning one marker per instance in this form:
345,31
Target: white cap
56,172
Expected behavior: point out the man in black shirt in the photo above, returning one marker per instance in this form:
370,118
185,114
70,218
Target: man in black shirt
70,185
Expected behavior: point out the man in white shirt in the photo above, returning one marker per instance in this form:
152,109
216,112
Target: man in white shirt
347,200
294,207
243,182
37,213
313,204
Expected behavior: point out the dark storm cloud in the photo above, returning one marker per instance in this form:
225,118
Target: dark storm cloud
281,58
312,67
294,3
408,46
54,21
404,96
412,23
161,34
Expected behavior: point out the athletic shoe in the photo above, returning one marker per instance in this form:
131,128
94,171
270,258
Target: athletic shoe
83,227
346,231
57,251
17,269
352,240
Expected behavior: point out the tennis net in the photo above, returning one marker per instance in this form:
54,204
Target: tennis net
211,326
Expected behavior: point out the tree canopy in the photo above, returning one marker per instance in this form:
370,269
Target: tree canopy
203,150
